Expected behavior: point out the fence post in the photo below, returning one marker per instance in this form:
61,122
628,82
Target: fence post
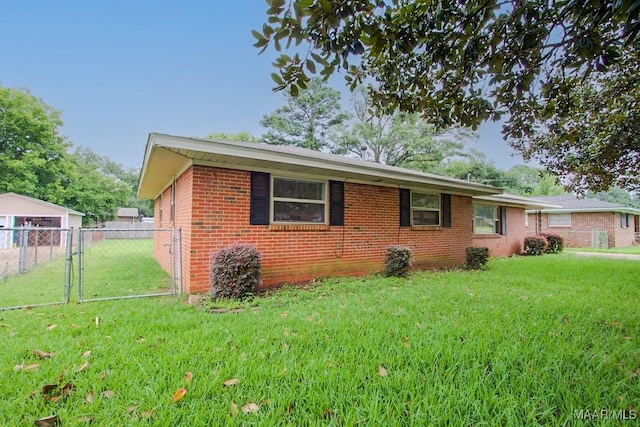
24,247
80,265
68,265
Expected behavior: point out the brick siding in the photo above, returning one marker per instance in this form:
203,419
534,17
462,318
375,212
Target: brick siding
212,209
509,244
583,224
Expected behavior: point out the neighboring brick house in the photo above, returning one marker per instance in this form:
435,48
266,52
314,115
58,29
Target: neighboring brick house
586,222
310,214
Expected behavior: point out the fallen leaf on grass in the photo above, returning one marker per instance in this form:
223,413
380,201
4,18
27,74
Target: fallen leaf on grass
381,371
86,353
48,388
188,376
83,366
103,375
27,368
67,389
109,394
250,408
52,326
43,354
132,409
234,409
97,321
231,382
616,324
149,413
179,394
89,397
50,421
53,399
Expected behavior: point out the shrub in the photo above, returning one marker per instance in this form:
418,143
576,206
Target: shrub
535,245
235,271
477,257
555,243
398,261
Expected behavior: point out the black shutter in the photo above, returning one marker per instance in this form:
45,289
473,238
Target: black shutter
446,209
405,207
259,210
336,203
503,220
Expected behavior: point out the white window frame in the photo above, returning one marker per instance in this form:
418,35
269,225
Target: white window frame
495,220
559,223
418,208
324,201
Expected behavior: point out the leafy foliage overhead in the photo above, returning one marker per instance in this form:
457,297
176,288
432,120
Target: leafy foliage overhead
464,62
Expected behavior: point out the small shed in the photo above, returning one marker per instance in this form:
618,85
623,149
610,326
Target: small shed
128,215
17,210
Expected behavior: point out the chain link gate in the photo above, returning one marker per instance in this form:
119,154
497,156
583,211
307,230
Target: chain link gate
36,266
123,263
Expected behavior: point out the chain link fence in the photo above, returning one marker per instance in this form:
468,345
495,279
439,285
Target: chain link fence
39,266
35,266
124,263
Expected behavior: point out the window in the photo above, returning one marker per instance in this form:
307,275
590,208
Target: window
625,220
425,209
559,220
486,219
296,200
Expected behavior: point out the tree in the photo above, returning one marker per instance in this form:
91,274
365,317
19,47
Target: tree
464,62
33,156
241,136
618,196
95,188
477,169
530,181
305,120
401,139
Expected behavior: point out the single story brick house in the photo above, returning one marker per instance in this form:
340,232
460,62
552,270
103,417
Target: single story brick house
586,222
17,210
310,214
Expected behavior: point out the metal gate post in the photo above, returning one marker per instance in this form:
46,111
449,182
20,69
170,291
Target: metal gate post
68,266
80,265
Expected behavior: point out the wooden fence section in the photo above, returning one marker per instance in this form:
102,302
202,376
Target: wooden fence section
128,230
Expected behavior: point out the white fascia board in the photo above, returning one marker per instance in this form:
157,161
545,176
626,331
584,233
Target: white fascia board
621,209
368,171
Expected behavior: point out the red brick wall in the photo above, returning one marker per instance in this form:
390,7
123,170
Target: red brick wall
213,212
582,224
509,244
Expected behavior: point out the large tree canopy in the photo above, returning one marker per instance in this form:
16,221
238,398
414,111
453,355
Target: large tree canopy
463,62
33,156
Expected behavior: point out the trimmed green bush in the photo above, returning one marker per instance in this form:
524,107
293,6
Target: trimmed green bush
535,245
477,257
398,261
555,243
235,271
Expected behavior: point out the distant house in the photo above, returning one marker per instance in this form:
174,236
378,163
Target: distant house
586,222
127,215
17,210
313,214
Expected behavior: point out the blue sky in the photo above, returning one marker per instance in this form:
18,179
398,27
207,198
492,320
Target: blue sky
119,70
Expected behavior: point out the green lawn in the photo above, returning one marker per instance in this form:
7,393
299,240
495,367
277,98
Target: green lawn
531,341
115,267
624,250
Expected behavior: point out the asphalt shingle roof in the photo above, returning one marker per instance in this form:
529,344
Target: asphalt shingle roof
569,201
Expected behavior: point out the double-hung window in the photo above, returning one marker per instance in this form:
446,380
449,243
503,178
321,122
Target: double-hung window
425,209
486,219
560,220
299,201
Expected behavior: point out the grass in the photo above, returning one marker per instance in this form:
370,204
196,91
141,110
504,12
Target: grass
527,342
624,250
112,268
